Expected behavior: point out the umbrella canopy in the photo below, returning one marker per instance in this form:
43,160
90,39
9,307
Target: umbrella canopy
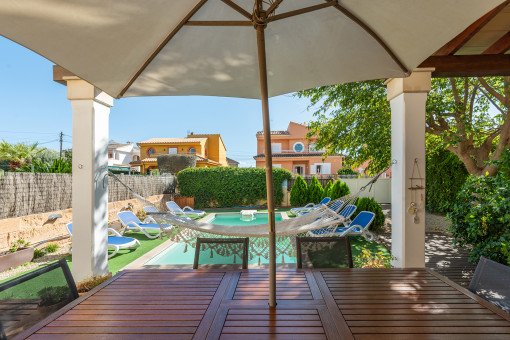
200,47
209,47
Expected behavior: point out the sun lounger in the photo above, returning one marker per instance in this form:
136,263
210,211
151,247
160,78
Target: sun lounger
117,242
309,206
186,211
359,226
130,222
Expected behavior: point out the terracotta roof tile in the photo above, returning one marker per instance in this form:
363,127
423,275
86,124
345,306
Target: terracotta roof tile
199,159
260,133
172,140
304,154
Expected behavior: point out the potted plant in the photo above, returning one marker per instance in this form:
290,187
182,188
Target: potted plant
19,253
52,299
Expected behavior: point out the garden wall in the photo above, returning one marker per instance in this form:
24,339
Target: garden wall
24,194
36,228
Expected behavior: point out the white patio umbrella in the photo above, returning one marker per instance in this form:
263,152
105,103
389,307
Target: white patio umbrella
133,48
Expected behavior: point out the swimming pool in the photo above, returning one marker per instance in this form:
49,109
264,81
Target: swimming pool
183,254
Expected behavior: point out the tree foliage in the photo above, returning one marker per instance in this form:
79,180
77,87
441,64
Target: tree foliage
315,191
355,119
229,187
339,189
58,166
299,192
481,218
370,204
19,154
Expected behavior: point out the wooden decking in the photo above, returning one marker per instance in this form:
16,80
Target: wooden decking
312,304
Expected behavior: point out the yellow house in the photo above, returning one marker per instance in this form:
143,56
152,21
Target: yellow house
209,149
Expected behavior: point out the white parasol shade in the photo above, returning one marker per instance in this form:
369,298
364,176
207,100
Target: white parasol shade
109,42
210,47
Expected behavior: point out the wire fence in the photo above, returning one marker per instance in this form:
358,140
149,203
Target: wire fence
24,194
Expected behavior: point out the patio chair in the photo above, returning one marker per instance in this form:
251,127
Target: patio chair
491,281
130,222
186,211
324,252
117,242
359,226
309,206
31,297
335,206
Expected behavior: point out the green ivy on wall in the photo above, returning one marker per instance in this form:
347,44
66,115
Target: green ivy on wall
229,187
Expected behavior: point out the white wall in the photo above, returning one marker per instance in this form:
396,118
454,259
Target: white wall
381,190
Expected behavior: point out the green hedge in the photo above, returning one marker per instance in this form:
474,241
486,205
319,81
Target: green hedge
445,176
315,191
338,190
229,187
299,192
369,204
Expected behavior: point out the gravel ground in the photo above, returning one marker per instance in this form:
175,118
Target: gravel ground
41,261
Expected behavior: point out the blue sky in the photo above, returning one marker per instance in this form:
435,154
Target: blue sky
34,108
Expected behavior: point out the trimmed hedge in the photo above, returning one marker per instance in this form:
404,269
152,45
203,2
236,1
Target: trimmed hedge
369,204
315,191
445,176
327,190
299,192
338,190
229,187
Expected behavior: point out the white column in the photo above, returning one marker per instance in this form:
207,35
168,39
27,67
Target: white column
407,98
91,108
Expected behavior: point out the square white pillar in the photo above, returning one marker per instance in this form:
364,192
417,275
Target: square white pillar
408,98
91,108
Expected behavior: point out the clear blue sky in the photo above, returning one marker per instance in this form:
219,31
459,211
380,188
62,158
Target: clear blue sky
34,108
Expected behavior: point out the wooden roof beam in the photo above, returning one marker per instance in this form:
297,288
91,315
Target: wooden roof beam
489,65
456,43
500,46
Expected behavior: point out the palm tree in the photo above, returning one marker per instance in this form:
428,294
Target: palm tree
19,154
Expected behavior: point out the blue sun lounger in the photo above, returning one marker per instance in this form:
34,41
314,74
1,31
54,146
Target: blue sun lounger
130,222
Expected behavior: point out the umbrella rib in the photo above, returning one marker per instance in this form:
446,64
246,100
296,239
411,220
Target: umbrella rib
302,11
219,23
238,8
273,7
374,35
161,46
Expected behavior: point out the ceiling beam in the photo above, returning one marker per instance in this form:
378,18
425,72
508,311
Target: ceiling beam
456,43
500,46
489,65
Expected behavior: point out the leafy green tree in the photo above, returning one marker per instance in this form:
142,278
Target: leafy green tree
315,191
354,119
339,189
47,156
19,154
299,192
327,190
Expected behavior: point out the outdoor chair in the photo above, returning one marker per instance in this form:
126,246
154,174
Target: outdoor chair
335,206
324,252
309,206
29,298
238,245
130,222
359,226
117,242
491,281
186,211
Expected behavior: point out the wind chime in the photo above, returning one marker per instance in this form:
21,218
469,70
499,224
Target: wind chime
416,185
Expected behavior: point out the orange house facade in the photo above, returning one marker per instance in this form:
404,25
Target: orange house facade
209,150
292,151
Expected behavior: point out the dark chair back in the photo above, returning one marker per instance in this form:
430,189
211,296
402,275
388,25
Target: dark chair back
491,281
324,252
29,298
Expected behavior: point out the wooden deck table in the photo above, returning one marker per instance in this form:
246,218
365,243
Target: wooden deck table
312,304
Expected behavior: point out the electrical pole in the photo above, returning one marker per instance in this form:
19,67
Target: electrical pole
61,141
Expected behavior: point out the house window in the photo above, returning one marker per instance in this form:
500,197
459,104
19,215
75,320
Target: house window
277,166
172,151
192,151
299,147
150,151
136,158
318,169
299,170
116,155
110,154
276,147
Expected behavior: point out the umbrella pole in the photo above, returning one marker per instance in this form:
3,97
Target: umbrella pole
261,44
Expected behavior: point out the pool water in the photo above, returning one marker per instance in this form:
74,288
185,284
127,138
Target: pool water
180,253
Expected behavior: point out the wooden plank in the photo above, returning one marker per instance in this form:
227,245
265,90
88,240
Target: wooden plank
110,337
432,330
489,65
271,330
117,330
276,337
429,337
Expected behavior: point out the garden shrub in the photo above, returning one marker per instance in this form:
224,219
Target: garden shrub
327,190
58,166
348,172
369,204
229,187
445,175
299,192
339,189
481,215
315,191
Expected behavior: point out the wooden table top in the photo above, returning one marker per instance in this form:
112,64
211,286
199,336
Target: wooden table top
312,304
